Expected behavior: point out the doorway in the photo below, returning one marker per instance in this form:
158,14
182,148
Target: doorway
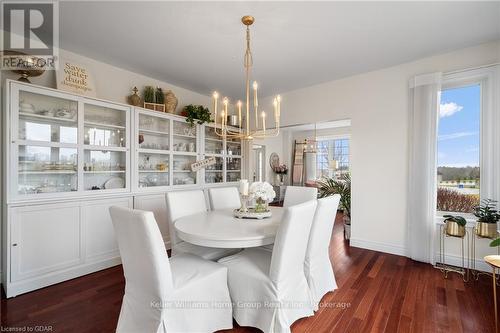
259,158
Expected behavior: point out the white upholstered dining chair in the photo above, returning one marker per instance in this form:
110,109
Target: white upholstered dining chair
224,198
298,194
269,289
183,203
154,285
317,266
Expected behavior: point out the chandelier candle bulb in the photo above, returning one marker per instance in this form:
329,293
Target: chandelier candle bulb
263,115
239,113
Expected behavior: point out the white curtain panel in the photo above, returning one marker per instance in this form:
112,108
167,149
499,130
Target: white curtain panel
185,294
317,266
270,290
424,99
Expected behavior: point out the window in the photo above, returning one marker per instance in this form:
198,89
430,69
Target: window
332,157
459,149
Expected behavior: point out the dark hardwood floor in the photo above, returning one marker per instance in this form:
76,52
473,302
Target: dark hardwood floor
377,293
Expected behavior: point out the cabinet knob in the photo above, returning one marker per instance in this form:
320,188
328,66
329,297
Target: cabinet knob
15,244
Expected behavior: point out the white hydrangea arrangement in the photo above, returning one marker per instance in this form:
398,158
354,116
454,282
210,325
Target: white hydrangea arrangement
262,191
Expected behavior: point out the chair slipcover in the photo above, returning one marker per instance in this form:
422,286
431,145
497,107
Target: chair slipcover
317,266
224,198
295,195
269,290
180,204
158,292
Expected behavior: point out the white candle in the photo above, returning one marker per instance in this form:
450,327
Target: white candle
255,99
244,187
225,101
263,115
278,99
216,97
239,112
275,105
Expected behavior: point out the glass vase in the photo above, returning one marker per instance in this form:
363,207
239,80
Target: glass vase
260,205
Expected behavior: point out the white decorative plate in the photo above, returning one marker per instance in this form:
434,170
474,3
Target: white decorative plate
114,182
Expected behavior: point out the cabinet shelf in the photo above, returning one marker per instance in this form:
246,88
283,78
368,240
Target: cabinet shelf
47,118
48,172
153,132
153,151
94,124
104,171
215,171
214,140
153,171
185,136
184,171
233,170
184,153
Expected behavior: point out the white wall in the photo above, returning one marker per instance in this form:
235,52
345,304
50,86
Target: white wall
377,104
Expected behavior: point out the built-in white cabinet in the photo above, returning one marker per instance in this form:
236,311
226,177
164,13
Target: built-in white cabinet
68,158
44,239
64,145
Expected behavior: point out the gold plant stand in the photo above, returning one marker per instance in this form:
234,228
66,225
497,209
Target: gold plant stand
475,238
464,270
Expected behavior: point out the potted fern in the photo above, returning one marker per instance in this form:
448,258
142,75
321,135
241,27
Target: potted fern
455,225
197,113
342,186
487,218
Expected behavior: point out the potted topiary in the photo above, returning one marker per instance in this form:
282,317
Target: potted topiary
342,186
197,113
455,225
487,218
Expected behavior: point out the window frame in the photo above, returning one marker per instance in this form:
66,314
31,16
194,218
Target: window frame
488,79
336,137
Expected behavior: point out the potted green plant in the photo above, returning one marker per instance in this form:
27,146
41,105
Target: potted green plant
149,94
487,218
197,113
455,225
342,186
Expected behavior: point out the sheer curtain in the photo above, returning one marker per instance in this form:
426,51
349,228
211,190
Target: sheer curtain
424,105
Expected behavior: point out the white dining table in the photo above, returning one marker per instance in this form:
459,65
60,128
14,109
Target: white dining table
219,228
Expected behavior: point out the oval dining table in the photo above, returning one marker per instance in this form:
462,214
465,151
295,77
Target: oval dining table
219,228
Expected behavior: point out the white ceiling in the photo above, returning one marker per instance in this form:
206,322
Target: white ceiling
200,45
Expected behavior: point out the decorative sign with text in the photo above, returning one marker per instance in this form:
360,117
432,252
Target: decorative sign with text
74,77
202,164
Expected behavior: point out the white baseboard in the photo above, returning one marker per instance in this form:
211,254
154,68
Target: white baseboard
455,260
378,246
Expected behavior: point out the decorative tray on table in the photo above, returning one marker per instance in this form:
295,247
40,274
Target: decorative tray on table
252,214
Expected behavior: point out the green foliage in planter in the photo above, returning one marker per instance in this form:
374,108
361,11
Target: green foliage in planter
495,243
486,212
149,94
455,218
197,113
159,97
342,186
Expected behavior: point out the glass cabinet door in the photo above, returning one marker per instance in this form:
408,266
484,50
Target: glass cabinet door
105,142
215,173
184,137
213,143
153,153
47,141
153,132
233,169
181,170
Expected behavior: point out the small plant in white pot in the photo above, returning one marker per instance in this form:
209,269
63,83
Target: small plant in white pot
342,186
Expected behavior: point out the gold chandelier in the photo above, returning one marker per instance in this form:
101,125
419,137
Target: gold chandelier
259,130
